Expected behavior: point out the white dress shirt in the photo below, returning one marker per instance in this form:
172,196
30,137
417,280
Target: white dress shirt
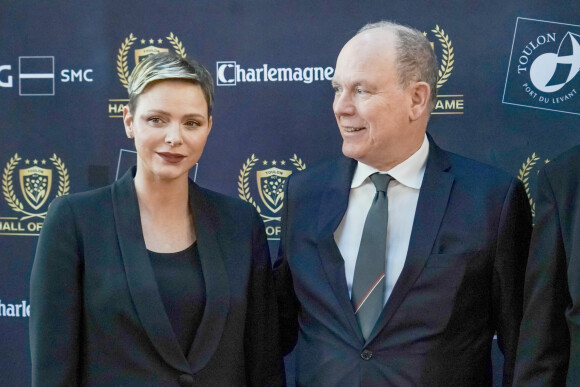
403,193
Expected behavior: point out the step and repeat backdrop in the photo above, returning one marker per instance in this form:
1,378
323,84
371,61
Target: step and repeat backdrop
509,95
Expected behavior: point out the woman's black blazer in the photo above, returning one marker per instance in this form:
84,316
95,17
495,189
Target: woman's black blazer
97,317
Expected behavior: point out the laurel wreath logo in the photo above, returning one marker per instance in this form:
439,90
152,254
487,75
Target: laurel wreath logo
8,187
243,182
63,180
177,45
298,163
244,185
448,57
523,175
122,65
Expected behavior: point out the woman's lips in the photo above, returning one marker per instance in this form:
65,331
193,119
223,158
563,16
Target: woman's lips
173,158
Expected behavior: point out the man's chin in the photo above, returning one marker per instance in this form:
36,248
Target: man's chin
351,151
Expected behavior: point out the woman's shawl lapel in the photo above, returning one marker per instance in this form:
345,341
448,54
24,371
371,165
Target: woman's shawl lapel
140,274
210,229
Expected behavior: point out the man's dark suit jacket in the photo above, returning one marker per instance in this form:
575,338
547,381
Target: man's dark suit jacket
462,280
549,347
97,317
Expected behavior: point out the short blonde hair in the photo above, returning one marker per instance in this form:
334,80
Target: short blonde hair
164,66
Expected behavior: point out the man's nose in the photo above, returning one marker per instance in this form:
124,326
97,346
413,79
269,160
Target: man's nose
343,104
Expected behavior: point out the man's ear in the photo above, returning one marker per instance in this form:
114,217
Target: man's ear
420,96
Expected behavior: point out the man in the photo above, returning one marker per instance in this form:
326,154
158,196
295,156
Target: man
456,240
549,346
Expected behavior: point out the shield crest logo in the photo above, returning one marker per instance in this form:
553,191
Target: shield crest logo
143,53
36,183
271,184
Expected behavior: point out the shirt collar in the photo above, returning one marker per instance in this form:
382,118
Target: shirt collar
409,173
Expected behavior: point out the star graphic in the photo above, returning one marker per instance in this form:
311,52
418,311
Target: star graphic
35,161
142,41
273,162
159,41
546,161
283,162
43,162
151,41
265,162
27,161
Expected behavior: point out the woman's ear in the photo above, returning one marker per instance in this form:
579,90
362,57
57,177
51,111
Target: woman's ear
128,121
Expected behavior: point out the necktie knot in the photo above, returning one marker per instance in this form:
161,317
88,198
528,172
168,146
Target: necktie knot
381,181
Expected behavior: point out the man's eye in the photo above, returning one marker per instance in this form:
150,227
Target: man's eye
359,90
154,120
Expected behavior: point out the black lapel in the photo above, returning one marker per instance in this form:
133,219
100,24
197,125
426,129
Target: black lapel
333,204
140,276
431,207
209,232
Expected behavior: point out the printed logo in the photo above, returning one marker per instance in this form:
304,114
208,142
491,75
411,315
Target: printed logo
126,61
544,66
525,174
269,183
28,190
446,103
230,73
37,76
21,309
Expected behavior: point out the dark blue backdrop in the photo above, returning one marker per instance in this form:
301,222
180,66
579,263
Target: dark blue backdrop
62,67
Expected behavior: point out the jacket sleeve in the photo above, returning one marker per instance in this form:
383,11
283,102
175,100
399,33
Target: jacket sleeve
543,349
263,355
514,233
288,305
56,300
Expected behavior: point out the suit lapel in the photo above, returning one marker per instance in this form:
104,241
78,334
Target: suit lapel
140,276
333,204
217,303
431,207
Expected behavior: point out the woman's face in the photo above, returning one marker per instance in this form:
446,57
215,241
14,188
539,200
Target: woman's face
170,126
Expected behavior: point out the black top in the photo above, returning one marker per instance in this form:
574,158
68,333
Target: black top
182,289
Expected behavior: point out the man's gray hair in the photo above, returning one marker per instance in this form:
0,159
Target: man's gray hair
164,66
416,60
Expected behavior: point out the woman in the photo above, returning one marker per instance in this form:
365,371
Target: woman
155,281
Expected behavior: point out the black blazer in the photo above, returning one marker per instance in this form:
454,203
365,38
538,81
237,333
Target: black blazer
97,317
549,347
462,280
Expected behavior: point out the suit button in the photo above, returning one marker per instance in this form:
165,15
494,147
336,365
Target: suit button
186,380
366,354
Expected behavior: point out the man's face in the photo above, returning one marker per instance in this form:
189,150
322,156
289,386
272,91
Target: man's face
371,108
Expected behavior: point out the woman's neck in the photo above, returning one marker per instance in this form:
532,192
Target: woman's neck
162,196
166,218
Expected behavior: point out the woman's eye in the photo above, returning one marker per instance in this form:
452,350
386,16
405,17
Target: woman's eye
192,123
359,90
